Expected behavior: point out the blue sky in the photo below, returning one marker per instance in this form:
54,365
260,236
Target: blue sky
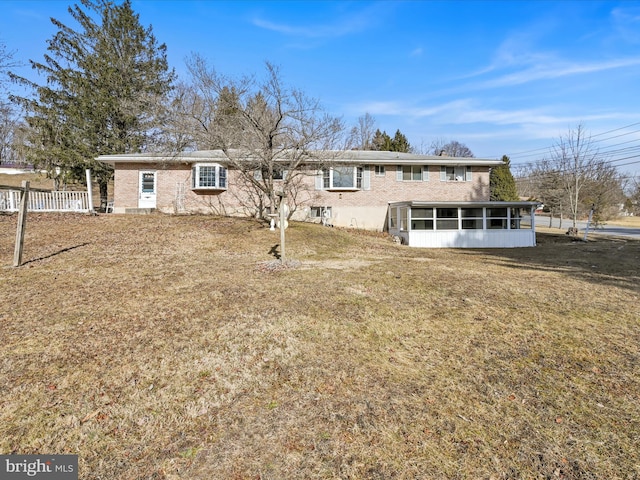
503,77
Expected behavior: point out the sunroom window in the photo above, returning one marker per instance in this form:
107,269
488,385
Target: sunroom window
404,217
421,218
208,176
472,218
446,218
497,218
346,177
393,217
516,220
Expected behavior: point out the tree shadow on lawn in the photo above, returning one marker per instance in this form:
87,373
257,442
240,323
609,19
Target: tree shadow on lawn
601,260
44,257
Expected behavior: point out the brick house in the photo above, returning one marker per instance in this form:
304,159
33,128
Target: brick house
355,189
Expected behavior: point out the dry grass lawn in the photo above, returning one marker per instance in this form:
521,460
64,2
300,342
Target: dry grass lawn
166,347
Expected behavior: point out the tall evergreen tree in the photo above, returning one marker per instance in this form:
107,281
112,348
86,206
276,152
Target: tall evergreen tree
105,92
501,182
400,143
382,142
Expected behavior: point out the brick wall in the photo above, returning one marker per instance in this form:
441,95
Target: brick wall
386,189
362,208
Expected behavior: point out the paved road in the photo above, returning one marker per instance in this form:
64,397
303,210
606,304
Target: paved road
632,232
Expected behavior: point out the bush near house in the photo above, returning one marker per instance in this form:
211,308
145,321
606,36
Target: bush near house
171,347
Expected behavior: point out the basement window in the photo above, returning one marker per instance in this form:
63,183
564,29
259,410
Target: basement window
320,212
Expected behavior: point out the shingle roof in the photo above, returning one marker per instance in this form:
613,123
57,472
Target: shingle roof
370,157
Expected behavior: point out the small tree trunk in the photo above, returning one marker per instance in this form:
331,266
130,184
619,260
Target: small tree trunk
104,192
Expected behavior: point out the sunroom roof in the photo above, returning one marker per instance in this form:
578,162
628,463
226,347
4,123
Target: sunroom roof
479,204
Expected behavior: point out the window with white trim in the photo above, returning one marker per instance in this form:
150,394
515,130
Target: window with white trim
455,173
279,173
379,170
208,176
412,173
344,177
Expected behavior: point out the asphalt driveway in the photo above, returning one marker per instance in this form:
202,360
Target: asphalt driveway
614,230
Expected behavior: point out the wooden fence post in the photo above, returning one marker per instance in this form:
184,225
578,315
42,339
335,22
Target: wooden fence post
22,223
283,219
89,192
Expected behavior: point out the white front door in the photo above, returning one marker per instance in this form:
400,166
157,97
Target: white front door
148,187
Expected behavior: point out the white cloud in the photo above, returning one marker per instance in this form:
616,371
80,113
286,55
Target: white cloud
344,24
545,71
471,112
398,108
625,23
519,60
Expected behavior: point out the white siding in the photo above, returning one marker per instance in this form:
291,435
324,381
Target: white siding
472,238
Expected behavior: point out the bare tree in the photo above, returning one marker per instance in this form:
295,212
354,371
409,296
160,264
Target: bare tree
575,179
6,63
9,135
634,197
604,191
546,185
451,148
577,160
362,134
270,132
9,122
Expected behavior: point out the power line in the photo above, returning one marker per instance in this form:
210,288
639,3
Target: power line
527,153
608,151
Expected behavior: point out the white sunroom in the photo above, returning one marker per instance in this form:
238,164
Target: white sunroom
463,224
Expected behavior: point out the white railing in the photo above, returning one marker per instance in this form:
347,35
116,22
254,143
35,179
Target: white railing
56,201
